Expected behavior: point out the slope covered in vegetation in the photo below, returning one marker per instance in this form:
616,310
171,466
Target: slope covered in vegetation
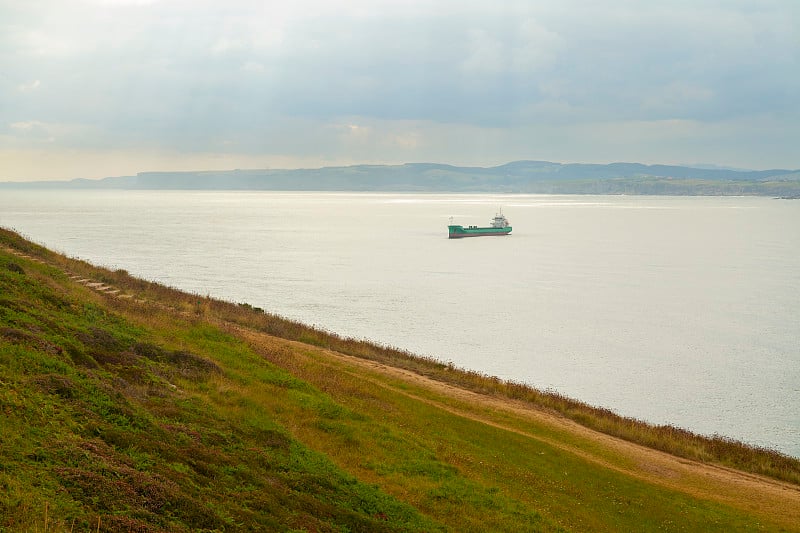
128,406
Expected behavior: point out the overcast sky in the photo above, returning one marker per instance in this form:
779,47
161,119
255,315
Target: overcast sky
95,88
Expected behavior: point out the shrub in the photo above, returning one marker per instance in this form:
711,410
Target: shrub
13,267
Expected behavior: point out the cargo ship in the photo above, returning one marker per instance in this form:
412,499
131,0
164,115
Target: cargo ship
499,226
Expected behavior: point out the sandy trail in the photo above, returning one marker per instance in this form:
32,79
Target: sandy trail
775,500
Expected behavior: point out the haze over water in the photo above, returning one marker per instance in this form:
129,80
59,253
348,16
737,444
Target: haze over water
683,311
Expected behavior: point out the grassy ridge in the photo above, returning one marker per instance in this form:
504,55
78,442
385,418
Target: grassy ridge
158,415
671,439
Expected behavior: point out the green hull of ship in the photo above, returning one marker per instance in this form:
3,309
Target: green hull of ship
459,232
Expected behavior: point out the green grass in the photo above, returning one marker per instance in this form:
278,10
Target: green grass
493,479
106,420
160,415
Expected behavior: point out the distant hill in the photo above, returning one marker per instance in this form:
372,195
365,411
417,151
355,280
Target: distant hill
515,177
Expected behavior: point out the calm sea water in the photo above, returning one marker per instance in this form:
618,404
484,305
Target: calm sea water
674,310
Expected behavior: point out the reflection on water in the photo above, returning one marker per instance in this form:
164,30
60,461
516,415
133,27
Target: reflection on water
674,310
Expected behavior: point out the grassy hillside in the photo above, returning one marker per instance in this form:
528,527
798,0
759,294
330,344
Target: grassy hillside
128,406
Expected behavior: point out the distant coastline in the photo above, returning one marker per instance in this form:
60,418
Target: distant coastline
525,177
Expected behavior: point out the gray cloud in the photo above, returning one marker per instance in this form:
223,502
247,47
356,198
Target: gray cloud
385,81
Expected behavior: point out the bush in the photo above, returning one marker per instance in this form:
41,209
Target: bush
13,267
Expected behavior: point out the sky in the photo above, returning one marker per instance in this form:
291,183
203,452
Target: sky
96,88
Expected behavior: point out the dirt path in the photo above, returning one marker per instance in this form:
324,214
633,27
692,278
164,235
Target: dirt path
775,500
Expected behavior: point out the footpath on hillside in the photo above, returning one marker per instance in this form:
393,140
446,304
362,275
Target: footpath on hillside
750,492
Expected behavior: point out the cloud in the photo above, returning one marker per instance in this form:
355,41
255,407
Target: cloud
35,133
26,126
513,47
123,2
514,79
32,131
30,86
677,99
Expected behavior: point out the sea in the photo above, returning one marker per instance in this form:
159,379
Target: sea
673,310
